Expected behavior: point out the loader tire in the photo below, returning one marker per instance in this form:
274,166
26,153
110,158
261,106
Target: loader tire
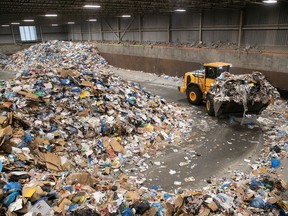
210,105
194,95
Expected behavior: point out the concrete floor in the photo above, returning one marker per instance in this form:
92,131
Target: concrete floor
220,149
4,75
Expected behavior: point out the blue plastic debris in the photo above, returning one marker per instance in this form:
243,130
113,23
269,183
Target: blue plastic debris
10,198
275,163
161,211
154,187
13,189
12,186
127,212
167,196
254,184
65,81
257,203
26,140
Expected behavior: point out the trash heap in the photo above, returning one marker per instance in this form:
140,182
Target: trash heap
67,135
243,89
3,60
52,55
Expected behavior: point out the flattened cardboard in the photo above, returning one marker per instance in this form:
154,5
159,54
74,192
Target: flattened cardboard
62,205
3,120
116,146
7,104
151,211
7,131
132,195
106,142
53,162
22,92
28,95
31,96
179,202
81,178
84,113
40,141
212,206
65,73
204,211
86,83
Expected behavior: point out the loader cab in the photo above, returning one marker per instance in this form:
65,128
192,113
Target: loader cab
214,70
197,83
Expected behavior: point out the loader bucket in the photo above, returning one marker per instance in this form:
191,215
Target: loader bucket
231,107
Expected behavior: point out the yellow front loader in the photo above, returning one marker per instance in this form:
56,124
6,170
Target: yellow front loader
197,84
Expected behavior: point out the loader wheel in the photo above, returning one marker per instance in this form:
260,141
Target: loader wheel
210,105
194,95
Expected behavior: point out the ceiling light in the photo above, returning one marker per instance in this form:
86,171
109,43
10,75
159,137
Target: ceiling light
51,15
28,20
180,10
91,6
54,24
92,20
126,16
15,23
270,1
5,25
71,23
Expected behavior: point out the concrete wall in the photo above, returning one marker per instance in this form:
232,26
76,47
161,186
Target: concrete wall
9,49
177,61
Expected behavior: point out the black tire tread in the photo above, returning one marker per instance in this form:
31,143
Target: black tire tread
198,93
211,111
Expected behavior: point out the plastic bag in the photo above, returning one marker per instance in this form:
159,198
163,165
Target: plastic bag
12,187
127,212
257,203
275,163
10,198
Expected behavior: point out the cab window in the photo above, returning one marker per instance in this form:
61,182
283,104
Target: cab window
223,69
211,72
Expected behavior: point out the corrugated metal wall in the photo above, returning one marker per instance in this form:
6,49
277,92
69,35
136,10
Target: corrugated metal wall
48,33
272,24
6,35
262,25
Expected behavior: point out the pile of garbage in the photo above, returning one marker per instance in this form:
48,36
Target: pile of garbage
66,136
243,89
53,55
3,60
69,129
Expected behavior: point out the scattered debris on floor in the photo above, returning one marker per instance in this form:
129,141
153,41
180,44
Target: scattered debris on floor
69,127
3,60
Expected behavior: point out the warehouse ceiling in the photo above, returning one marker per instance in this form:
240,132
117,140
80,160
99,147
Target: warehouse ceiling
73,10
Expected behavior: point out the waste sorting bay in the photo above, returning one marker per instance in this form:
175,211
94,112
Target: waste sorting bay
78,139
